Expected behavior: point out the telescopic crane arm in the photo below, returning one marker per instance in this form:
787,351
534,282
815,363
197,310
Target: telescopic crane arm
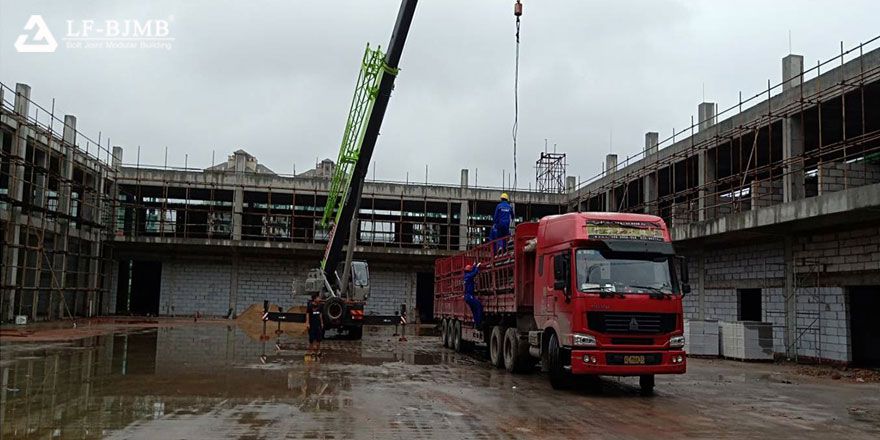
365,119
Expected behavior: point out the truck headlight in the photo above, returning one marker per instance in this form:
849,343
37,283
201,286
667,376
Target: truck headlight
676,342
579,340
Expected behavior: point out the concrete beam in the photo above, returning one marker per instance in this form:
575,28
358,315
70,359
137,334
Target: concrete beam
811,209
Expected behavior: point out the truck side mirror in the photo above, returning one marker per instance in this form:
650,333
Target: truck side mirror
562,274
685,274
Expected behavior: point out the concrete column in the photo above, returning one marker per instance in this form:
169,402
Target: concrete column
69,141
464,213
39,188
464,178
12,241
706,115
652,142
792,71
706,175
792,134
116,160
610,163
649,182
651,194
706,166
570,184
68,147
790,299
97,244
237,211
610,168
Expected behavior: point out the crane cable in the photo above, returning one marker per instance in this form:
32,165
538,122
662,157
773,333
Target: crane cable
517,12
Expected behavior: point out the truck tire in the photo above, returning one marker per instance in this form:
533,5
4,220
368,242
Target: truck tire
496,346
516,353
457,341
559,378
334,308
444,332
646,383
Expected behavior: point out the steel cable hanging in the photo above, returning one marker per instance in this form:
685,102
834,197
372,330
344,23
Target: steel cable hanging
517,11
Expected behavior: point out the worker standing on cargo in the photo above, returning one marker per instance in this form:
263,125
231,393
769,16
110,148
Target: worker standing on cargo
470,273
501,222
315,325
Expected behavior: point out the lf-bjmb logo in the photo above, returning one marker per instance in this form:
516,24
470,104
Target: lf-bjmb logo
38,39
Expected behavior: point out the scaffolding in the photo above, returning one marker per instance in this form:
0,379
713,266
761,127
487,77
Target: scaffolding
56,198
793,140
550,173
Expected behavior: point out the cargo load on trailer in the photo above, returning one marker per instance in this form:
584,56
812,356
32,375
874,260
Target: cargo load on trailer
581,293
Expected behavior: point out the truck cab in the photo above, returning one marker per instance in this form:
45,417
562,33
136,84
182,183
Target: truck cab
584,293
608,297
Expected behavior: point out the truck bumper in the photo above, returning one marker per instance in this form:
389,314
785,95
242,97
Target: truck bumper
611,363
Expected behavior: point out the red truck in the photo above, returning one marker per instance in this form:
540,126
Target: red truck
583,293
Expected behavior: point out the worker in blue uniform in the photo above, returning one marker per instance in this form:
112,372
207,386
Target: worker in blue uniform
501,221
470,273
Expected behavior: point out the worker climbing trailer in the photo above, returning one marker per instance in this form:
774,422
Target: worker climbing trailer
583,293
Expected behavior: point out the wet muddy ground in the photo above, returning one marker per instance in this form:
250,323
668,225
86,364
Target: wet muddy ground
214,381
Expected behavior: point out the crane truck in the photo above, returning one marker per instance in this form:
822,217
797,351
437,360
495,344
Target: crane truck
342,282
584,294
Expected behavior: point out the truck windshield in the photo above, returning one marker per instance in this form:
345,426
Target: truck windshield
609,272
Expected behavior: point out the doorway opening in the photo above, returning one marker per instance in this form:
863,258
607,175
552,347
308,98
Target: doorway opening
864,327
137,292
749,305
425,296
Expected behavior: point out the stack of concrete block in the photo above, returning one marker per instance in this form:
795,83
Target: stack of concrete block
747,340
701,337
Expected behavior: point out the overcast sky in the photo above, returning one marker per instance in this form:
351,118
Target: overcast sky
276,78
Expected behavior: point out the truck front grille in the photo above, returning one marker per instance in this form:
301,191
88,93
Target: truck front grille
631,322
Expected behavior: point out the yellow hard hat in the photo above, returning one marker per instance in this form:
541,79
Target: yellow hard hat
504,196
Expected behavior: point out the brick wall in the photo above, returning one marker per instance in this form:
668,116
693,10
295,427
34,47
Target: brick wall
773,309
190,286
844,251
837,176
822,322
765,193
764,262
821,310
388,290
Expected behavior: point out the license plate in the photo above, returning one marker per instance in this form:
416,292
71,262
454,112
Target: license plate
634,360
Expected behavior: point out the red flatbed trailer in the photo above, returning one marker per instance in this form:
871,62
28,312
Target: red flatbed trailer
583,293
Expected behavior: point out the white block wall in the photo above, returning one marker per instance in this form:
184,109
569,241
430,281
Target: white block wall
190,286
822,312
823,323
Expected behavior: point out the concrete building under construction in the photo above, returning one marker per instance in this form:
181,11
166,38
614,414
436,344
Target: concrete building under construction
774,201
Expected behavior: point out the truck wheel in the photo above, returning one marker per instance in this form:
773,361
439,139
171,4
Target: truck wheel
516,355
646,383
559,378
496,346
457,342
444,333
